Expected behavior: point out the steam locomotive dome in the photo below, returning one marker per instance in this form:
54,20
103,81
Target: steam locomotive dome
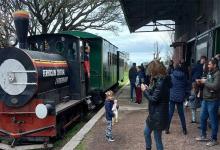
23,74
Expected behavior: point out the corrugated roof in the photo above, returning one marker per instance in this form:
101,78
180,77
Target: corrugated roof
139,13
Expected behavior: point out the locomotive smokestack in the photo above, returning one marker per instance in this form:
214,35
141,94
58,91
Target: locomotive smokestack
21,20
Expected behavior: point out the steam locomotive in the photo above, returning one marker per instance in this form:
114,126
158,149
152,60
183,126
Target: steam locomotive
42,83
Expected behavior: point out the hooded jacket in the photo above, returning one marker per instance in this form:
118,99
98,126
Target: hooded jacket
179,82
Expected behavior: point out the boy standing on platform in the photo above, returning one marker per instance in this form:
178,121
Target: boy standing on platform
109,114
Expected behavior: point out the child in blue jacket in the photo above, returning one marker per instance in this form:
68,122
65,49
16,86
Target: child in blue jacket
109,114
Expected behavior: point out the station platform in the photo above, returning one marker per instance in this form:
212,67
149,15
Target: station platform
128,132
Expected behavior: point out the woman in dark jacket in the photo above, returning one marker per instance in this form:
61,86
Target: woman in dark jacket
177,96
158,96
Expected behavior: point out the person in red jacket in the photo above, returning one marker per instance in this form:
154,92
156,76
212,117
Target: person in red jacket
87,66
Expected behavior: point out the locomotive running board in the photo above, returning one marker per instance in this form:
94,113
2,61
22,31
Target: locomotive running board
25,147
65,105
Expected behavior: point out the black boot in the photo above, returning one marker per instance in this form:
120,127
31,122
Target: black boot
167,131
185,131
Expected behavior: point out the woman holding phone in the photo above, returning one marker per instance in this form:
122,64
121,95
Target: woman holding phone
157,94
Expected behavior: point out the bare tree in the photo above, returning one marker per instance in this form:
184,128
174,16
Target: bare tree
156,52
6,25
50,16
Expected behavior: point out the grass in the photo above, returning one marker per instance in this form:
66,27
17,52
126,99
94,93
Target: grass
61,142
71,132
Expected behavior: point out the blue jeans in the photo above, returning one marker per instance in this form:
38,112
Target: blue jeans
209,109
157,138
180,112
132,89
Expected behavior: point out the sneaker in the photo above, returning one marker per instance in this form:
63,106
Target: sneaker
106,137
202,139
111,139
212,143
186,104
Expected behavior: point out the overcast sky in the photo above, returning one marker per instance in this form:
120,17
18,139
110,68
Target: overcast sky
140,46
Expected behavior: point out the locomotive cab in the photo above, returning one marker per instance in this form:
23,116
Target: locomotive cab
69,48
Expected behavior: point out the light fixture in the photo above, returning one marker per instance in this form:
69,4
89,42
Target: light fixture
155,27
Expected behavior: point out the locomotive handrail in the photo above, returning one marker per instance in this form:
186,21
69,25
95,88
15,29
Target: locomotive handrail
5,132
26,132
28,71
24,83
12,113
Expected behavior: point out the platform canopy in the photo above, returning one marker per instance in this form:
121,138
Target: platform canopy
139,13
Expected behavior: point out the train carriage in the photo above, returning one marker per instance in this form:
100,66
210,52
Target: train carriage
103,62
121,57
206,44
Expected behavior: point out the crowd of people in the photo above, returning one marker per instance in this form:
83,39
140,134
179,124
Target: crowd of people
137,75
167,88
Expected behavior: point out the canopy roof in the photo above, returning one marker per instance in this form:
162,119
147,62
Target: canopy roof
139,13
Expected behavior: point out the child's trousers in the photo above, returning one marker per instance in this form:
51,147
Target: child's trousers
108,131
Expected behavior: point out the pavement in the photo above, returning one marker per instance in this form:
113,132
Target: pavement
128,132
